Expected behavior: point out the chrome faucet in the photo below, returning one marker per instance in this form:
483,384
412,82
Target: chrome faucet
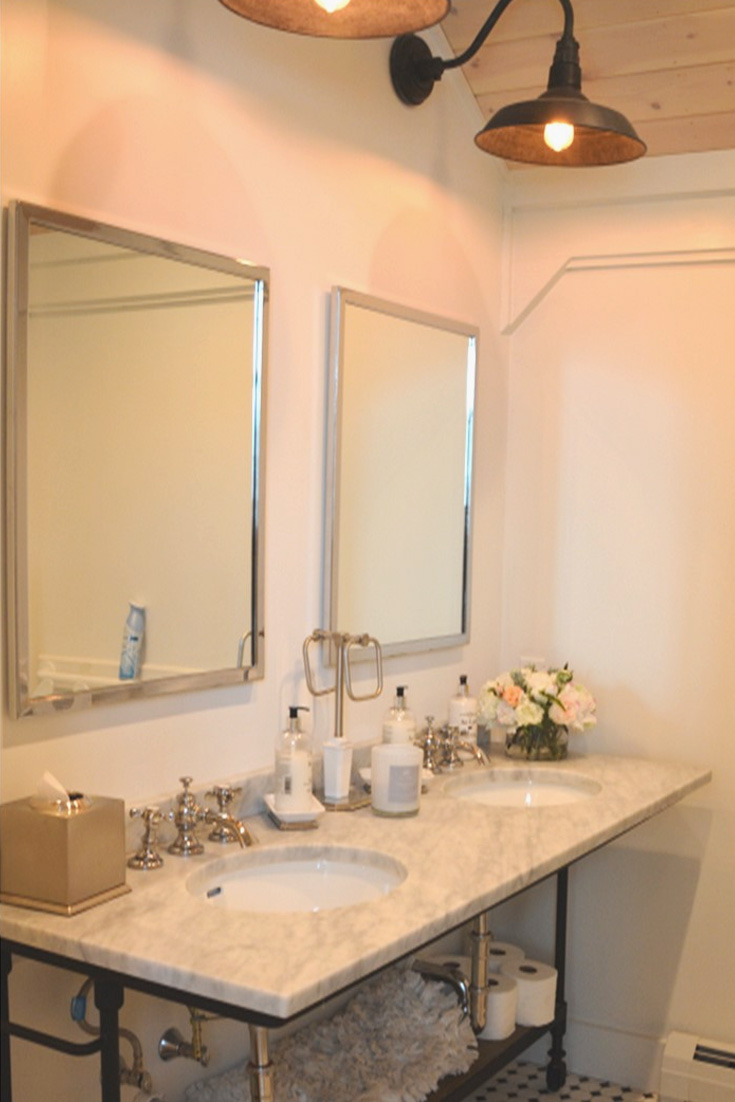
441,748
186,816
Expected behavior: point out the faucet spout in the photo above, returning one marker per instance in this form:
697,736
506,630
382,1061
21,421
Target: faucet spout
471,748
449,971
230,825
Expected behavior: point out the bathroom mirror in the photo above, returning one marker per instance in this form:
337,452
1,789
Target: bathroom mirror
399,474
134,466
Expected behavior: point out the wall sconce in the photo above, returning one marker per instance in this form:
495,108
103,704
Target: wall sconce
561,127
343,18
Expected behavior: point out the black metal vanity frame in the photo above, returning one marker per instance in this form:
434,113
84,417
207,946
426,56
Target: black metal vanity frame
109,991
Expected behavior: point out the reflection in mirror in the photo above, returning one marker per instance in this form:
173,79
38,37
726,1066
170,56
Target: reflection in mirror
401,410
135,382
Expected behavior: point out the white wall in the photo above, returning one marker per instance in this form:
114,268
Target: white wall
179,119
620,533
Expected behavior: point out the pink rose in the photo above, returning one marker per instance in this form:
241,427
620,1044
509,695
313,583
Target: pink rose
511,695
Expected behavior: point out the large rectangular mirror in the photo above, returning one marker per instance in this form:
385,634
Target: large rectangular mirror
399,474
134,462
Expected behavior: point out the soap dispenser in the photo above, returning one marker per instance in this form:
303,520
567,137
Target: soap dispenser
293,784
463,712
399,724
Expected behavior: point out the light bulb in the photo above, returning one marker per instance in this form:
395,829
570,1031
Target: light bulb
332,5
558,135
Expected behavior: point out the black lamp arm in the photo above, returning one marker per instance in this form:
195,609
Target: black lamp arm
488,25
414,70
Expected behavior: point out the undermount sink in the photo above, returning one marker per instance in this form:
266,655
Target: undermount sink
528,786
301,879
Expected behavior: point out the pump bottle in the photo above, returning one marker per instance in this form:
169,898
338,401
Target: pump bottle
463,712
399,724
293,783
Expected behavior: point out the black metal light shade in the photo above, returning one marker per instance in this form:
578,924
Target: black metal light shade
562,127
601,136
343,18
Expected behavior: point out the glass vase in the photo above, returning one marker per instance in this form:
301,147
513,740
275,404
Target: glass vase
540,742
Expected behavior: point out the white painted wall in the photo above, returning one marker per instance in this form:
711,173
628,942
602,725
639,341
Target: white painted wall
619,541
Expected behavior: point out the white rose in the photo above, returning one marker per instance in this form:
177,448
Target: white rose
528,713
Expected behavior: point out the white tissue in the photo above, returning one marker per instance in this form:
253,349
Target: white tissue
49,788
499,952
536,990
502,1007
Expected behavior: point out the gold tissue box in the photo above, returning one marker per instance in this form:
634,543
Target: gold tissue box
62,855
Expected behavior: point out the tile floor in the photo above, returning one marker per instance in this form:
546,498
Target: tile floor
522,1082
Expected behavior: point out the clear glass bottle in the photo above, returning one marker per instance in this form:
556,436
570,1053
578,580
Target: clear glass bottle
463,712
293,783
399,724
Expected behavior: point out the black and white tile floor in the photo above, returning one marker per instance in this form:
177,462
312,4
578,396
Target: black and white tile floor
522,1082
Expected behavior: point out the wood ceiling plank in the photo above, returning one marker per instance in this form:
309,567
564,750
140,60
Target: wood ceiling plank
698,134
683,93
698,39
532,17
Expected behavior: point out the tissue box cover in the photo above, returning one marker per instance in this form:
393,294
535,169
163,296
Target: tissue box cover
62,856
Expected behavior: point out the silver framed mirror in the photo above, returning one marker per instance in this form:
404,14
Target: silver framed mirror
135,371
399,474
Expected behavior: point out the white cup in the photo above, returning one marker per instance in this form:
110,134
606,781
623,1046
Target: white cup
337,768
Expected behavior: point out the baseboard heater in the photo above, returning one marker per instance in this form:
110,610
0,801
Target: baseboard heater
696,1070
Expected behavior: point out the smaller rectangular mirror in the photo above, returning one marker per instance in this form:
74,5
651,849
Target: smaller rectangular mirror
134,465
399,474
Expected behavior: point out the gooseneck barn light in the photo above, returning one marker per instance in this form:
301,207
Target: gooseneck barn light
343,18
560,127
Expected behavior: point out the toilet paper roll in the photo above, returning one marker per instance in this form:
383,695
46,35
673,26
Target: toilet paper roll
536,990
502,997
499,952
502,1007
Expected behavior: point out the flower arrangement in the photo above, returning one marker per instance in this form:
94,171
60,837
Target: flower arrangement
538,708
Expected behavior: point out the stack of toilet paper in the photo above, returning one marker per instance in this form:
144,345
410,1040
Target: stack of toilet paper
520,991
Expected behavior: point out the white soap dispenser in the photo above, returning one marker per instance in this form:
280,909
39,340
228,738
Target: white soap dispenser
399,724
293,784
463,712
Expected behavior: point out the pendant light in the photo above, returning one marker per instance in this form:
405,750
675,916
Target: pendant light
343,18
560,127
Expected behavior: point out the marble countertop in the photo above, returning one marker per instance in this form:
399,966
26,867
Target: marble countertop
461,857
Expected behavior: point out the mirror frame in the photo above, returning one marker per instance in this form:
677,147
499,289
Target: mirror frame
341,298
20,216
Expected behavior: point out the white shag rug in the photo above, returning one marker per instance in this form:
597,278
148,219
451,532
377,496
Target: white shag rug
393,1042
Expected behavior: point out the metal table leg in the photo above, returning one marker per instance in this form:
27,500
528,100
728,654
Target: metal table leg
556,1071
6,1090
108,998
260,1067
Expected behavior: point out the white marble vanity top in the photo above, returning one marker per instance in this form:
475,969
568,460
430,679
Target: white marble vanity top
461,857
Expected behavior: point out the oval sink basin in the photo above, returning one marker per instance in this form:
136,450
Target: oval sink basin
302,879
529,786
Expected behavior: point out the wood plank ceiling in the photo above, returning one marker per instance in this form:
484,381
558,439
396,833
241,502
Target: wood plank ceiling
669,65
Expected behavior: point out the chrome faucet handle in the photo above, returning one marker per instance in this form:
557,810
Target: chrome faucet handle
185,816
224,794
450,748
147,857
429,741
